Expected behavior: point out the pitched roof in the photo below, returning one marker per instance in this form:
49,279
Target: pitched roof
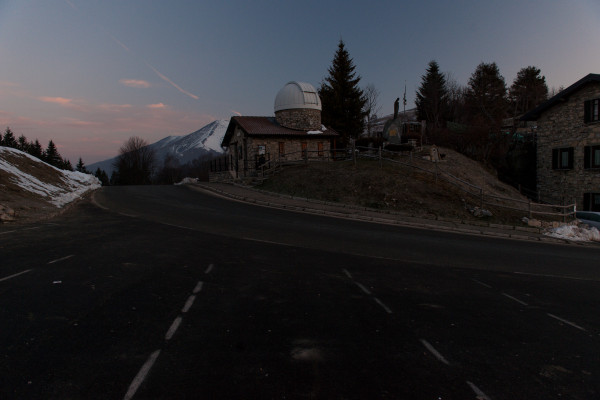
560,97
268,126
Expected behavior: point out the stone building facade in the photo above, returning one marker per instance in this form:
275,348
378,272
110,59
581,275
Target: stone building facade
568,145
294,134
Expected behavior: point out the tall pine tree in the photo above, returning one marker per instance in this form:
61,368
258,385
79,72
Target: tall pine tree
343,100
9,139
51,155
528,90
486,96
432,97
80,167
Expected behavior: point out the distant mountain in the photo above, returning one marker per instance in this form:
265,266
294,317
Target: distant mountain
205,141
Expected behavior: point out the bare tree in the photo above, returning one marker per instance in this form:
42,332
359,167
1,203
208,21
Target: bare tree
135,164
371,108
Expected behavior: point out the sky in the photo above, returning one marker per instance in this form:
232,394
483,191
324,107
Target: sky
90,74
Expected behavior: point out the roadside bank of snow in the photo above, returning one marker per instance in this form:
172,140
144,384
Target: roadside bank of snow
575,233
58,187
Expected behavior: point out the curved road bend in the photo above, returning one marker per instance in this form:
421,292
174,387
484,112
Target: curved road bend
164,291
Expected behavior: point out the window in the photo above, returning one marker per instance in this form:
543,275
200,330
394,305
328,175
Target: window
281,149
320,149
591,201
590,113
562,158
591,156
261,150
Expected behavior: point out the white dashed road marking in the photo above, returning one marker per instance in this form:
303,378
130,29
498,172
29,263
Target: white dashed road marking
188,304
433,351
198,287
386,308
482,284
566,322
515,299
210,268
480,395
61,259
173,328
15,275
139,378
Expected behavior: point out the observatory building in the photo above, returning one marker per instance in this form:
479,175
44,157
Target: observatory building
295,133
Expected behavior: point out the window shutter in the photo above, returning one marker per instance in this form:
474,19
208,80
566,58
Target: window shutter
555,158
586,157
587,107
587,202
571,157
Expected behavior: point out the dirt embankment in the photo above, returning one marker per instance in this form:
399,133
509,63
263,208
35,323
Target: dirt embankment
401,188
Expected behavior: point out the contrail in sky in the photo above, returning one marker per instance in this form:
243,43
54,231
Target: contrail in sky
176,86
117,41
127,49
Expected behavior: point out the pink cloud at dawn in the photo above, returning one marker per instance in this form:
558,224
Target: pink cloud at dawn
158,105
135,83
56,100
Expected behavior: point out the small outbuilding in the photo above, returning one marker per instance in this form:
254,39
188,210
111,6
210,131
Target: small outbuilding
295,132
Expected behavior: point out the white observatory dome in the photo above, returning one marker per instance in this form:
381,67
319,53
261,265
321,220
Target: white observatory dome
296,95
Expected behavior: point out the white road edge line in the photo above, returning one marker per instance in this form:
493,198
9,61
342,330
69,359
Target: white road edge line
268,242
210,268
139,378
4,233
515,299
347,273
15,275
433,351
173,328
566,322
61,259
198,287
386,308
481,283
188,304
480,395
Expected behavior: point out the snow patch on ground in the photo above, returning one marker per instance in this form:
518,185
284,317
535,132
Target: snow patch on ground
71,187
187,181
575,233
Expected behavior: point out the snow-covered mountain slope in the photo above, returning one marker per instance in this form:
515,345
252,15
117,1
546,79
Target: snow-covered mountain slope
28,183
184,149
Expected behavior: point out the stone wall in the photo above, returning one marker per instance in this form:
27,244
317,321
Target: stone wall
301,119
563,126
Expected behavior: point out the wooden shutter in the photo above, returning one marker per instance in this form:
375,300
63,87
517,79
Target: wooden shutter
555,159
587,111
587,150
571,151
587,202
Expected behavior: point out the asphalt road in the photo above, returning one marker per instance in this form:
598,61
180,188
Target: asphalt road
167,292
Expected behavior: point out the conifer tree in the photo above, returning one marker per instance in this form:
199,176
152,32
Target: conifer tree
342,99
81,166
528,90
51,155
36,149
486,96
101,174
66,165
23,144
9,139
432,96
